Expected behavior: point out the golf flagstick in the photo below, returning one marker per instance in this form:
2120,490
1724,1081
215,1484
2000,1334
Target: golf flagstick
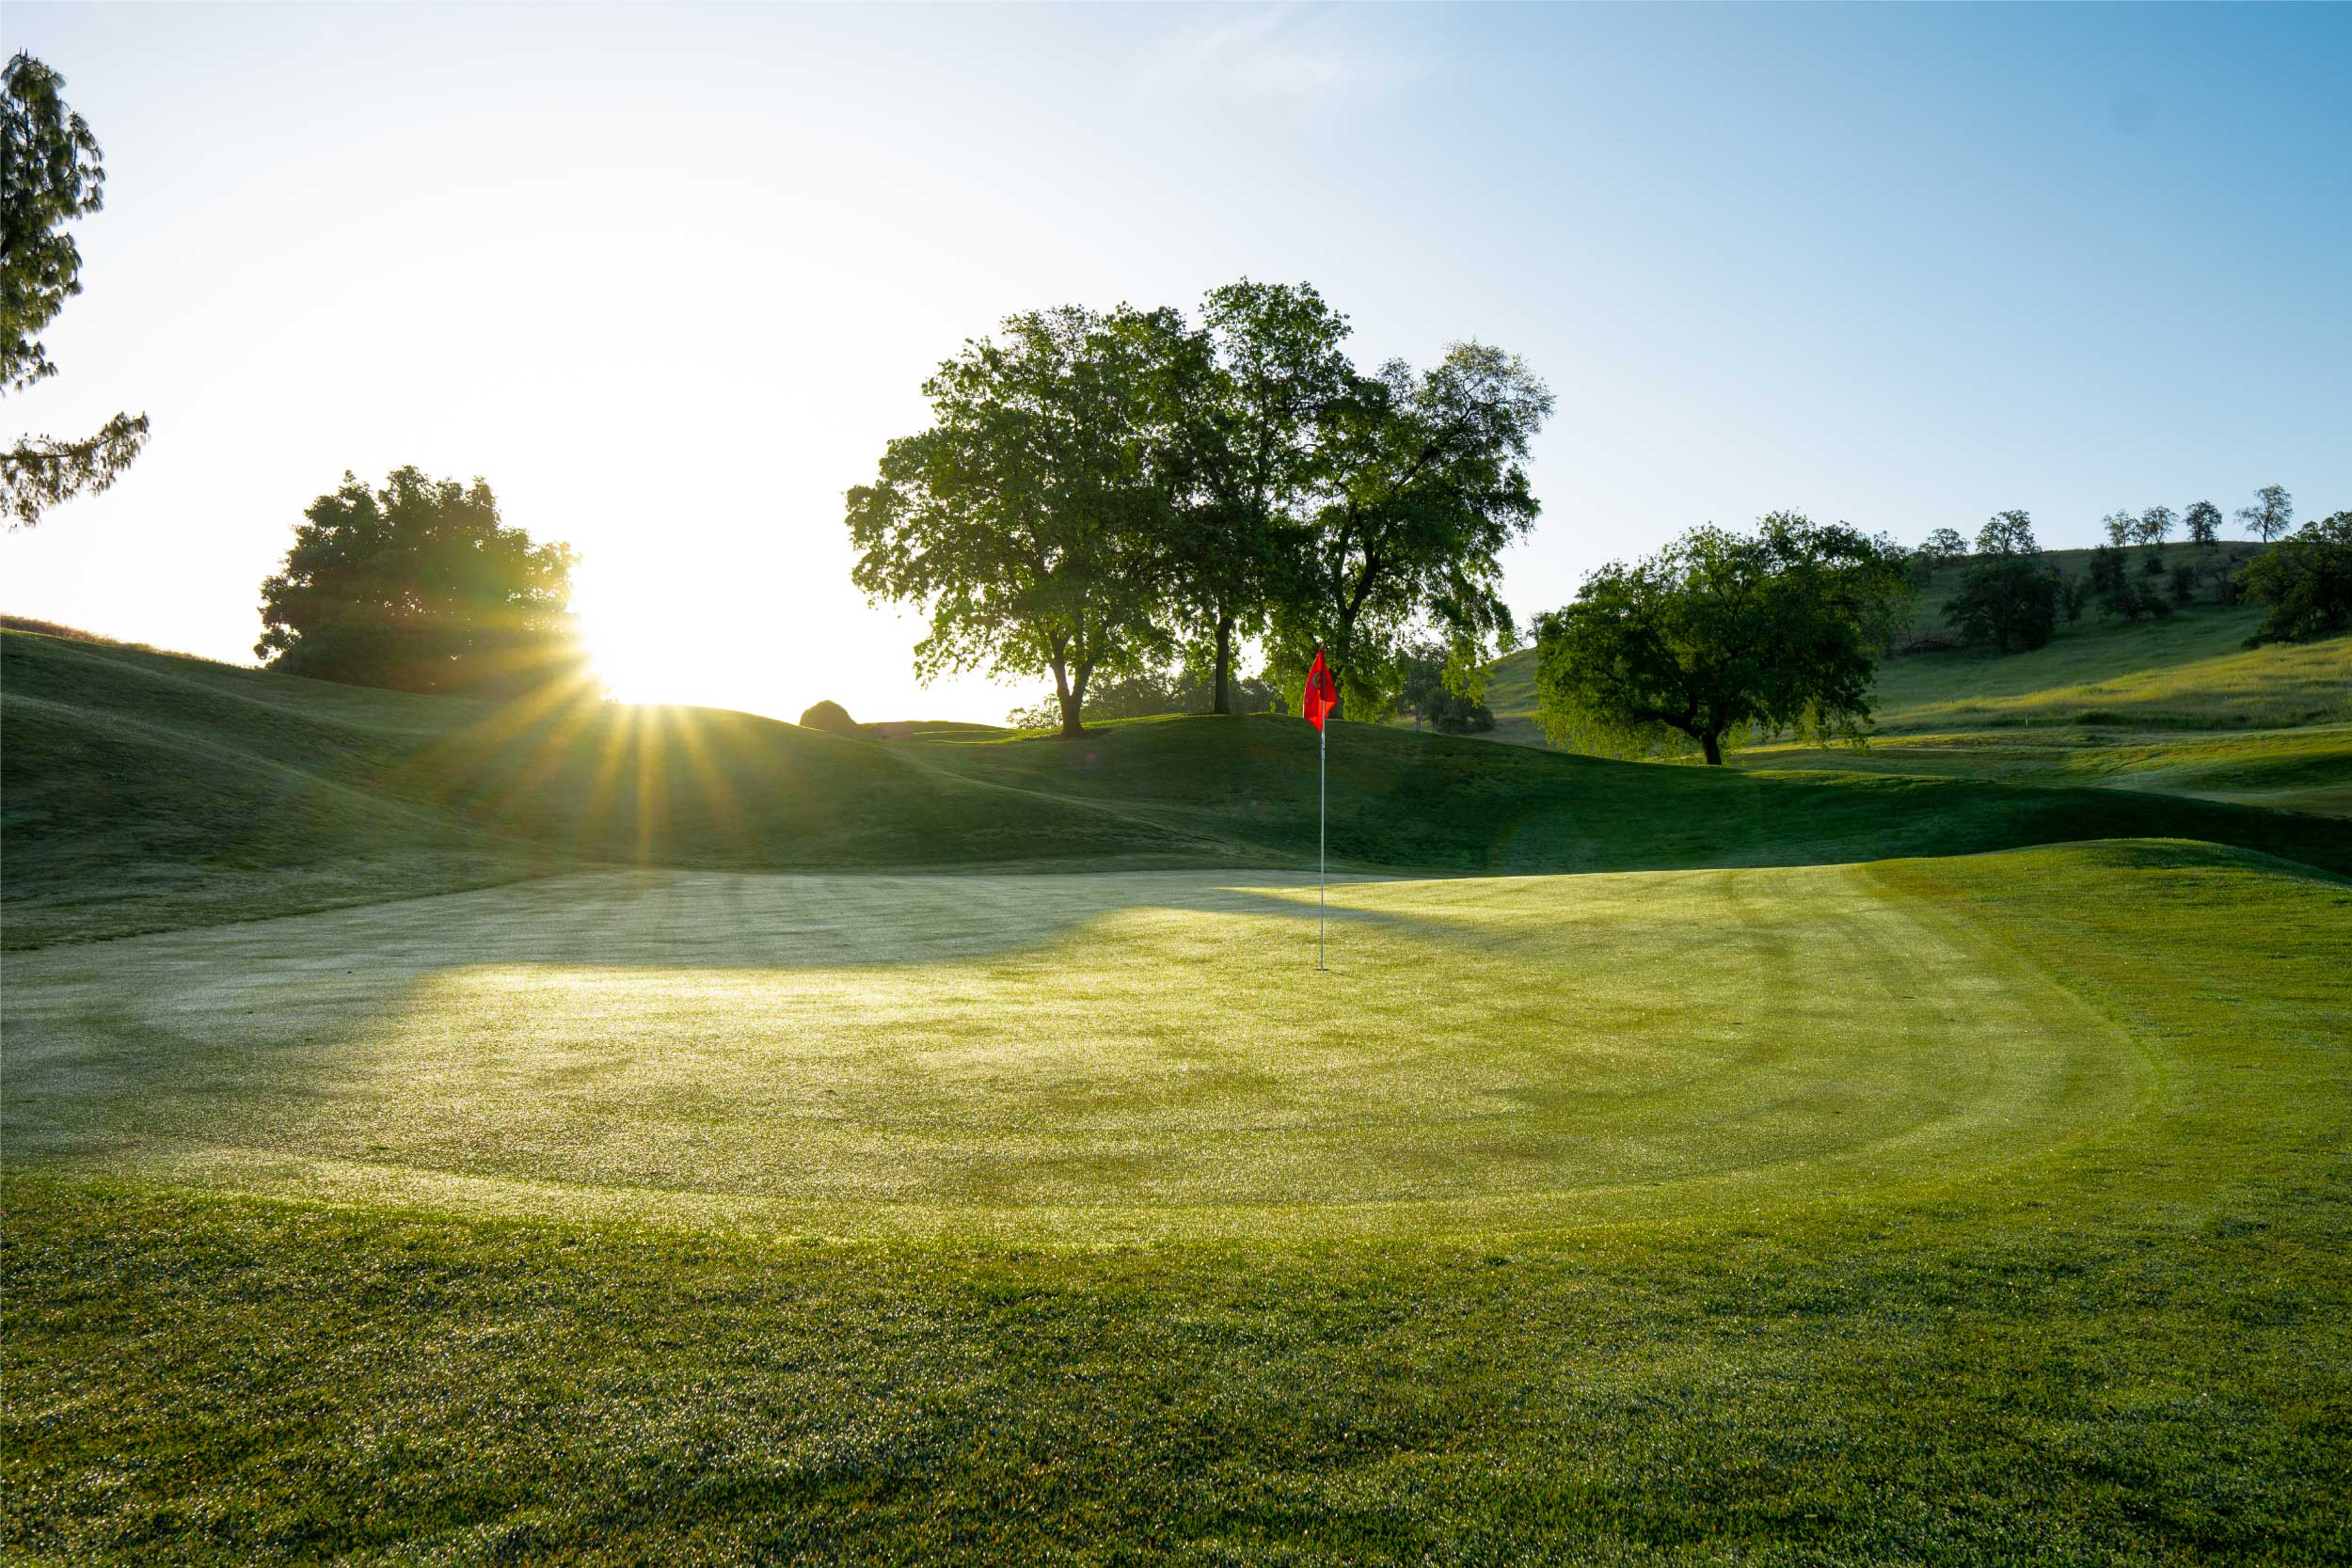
1315,704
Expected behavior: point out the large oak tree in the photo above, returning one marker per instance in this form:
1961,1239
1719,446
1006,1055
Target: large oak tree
1270,370
1778,629
1030,522
1425,485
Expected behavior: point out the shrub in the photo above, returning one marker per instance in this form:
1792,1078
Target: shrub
831,717
2106,569
2075,596
1452,714
2128,600
2182,582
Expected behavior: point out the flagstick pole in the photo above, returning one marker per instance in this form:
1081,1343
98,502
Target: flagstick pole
1323,763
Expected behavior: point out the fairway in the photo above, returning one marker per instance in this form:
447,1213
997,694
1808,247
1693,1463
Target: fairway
1081,1058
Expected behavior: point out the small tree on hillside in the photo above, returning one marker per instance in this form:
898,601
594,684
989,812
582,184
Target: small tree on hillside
2108,562
2306,582
418,586
2075,596
2121,527
2007,534
1944,546
1721,631
2272,514
2156,525
2011,602
2179,582
2204,524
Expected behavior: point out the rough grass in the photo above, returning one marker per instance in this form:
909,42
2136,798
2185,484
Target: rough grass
2070,1292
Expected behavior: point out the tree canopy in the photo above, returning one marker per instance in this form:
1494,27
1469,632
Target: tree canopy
1722,633
1272,373
1427,486
2272,514
2010,601
1031,520
417,585
2305,580
2205,524
2007,534
50,173
1102,492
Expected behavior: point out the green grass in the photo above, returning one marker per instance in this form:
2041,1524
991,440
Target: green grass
770,1146
144,791
2176,705
1036,1056
1981,1209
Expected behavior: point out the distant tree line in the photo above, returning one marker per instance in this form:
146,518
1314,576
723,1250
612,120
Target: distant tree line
1724,637
1105,496
2012,599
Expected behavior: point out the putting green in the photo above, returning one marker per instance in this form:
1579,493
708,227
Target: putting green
1080,1058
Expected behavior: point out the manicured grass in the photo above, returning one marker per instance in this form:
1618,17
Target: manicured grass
1074,1060
1985,1210
144,791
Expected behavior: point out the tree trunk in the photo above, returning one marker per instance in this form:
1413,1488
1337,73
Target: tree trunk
1713,747
1068,699
1073,703
1223,700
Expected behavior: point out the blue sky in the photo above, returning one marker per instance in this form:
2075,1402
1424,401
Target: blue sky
670,277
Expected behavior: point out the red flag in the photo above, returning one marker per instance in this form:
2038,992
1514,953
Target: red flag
1321,696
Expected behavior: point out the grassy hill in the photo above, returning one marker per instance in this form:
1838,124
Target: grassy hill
1762,1196
2177,705
146,790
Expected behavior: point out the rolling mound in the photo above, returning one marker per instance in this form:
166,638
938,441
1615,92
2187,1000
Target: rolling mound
145,791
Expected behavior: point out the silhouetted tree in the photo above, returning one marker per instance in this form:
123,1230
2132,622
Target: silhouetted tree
2272,514
50,173
1426,486
2305,580
1719,631
2204,524
1031,520
2123,528
2156,525
2011,602
419,586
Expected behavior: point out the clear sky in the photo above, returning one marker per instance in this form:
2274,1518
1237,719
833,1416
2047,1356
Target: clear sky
669,279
